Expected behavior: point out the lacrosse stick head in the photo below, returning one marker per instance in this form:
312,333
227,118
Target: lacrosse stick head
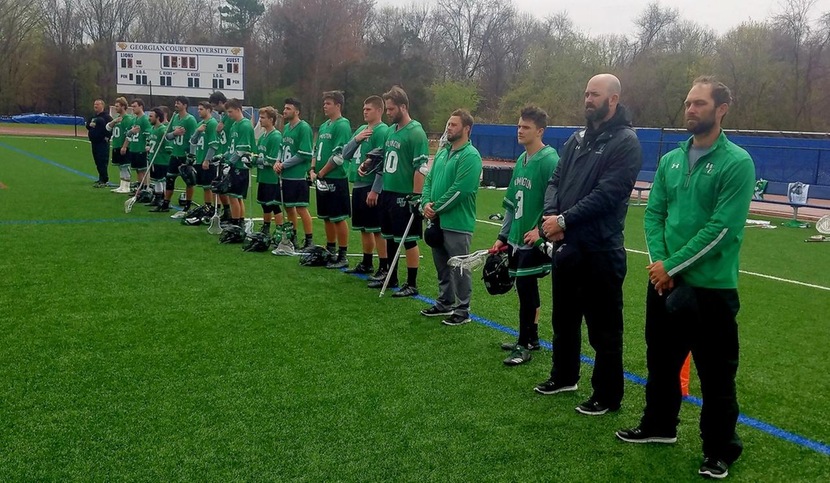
823,225
471,262
215,227
128,205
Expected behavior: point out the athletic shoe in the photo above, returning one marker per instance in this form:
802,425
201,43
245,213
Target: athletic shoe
639,435
338,262
179,215
519,355
160,209
100,184
265,229
552,387
379,284
713,468
361,269
434,311
379,275
592,407
405,291
121,190
531,346
456,319
308,245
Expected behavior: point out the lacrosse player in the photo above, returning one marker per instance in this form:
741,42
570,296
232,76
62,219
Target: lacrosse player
400,186
206,143
135,145
268,188
182,128
242,143
523,205
158,149
365,218
333,205
218,100
119,126
297,144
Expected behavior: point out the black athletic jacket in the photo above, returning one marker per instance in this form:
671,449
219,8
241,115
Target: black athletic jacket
592,184
99,133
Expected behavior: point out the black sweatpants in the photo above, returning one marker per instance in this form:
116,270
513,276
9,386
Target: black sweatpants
711,335
101,154
591,288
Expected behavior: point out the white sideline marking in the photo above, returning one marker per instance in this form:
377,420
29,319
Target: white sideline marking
745,272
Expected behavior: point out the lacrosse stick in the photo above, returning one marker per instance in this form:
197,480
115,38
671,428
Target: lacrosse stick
397,254
472,261
818,238
128,205
823,225
215,227
285,247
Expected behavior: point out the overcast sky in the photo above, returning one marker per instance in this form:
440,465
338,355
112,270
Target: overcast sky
598,17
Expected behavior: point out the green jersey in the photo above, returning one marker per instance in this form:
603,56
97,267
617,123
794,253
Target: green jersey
525,196
156,141
225,134
330,141
208,139
297,141
407,149
242,140
138,141
451,186
119,131
181,144
270,149
376,140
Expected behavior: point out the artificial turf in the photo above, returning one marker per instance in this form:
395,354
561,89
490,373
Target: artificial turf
135,348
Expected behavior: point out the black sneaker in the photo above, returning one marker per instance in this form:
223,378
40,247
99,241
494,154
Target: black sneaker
639,435
379,284
265,229
338,262
361,268
551,387
713,468
308,245
519,355
379,275
160,209
405,291
592,407
531,346
434,311
456,319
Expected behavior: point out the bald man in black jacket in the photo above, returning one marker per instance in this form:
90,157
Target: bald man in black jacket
99,138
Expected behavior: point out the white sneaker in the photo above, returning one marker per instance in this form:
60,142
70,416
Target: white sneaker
178,215
124,187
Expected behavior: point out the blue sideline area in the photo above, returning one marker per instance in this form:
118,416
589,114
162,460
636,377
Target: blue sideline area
44,119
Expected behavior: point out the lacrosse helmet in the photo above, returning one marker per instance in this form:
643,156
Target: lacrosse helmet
144,196
233,234
316,257
256,242
434,235
193,221
374,161
188,174
496,274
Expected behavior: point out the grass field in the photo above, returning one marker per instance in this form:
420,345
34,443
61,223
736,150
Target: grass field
135,348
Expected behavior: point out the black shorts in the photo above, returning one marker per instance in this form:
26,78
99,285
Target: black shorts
334,205
394,216
137,160
364,218
527,263
295,193
118,159
268,194
173,167
204,177
158,172
240,180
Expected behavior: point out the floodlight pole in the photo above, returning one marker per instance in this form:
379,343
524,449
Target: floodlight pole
74,106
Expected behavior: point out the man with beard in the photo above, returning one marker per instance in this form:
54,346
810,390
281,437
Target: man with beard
297,145
99,138
135,145
119,127
449,202
694,227
182,127
584,213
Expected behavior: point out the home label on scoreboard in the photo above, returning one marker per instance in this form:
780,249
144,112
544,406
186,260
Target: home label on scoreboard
179,70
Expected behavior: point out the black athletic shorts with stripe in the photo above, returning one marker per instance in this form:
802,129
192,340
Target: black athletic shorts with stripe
295,193
334,205
364,218
394,216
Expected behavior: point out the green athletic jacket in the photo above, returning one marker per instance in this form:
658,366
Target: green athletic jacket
451,185
695,219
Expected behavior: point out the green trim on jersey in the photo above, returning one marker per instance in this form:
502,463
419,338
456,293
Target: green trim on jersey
297,141
407,149
269,148
156,141
242,140
138,141
527,271
331,138
208,139
526,192
376,140
181,144
119,131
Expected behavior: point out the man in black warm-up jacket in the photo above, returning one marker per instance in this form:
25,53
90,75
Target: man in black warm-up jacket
99,138
585,207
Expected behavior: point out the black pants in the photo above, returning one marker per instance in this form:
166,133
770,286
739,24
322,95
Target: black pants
592,288
101,154
711,334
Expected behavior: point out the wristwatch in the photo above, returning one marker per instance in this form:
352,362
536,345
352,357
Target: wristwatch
560,220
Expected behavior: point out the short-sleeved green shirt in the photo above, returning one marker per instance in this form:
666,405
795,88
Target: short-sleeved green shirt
270,149
242,140
119,131
181,144
407,149
331,138
376,140
297,140
207,139
156,141
138,141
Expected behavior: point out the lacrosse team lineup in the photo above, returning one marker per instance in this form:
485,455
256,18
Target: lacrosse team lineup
564,216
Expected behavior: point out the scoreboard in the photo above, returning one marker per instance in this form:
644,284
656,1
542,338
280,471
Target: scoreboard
174,69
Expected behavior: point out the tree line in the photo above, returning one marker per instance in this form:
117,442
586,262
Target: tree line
484,55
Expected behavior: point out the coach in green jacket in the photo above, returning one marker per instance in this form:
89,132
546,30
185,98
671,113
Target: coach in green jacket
694,226
449,201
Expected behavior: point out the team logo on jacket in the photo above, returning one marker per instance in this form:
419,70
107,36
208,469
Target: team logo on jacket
709,167
675,166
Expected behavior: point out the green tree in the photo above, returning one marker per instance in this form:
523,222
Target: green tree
239,17
448,96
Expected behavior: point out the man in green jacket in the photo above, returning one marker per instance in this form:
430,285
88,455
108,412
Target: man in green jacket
449,200
694,227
